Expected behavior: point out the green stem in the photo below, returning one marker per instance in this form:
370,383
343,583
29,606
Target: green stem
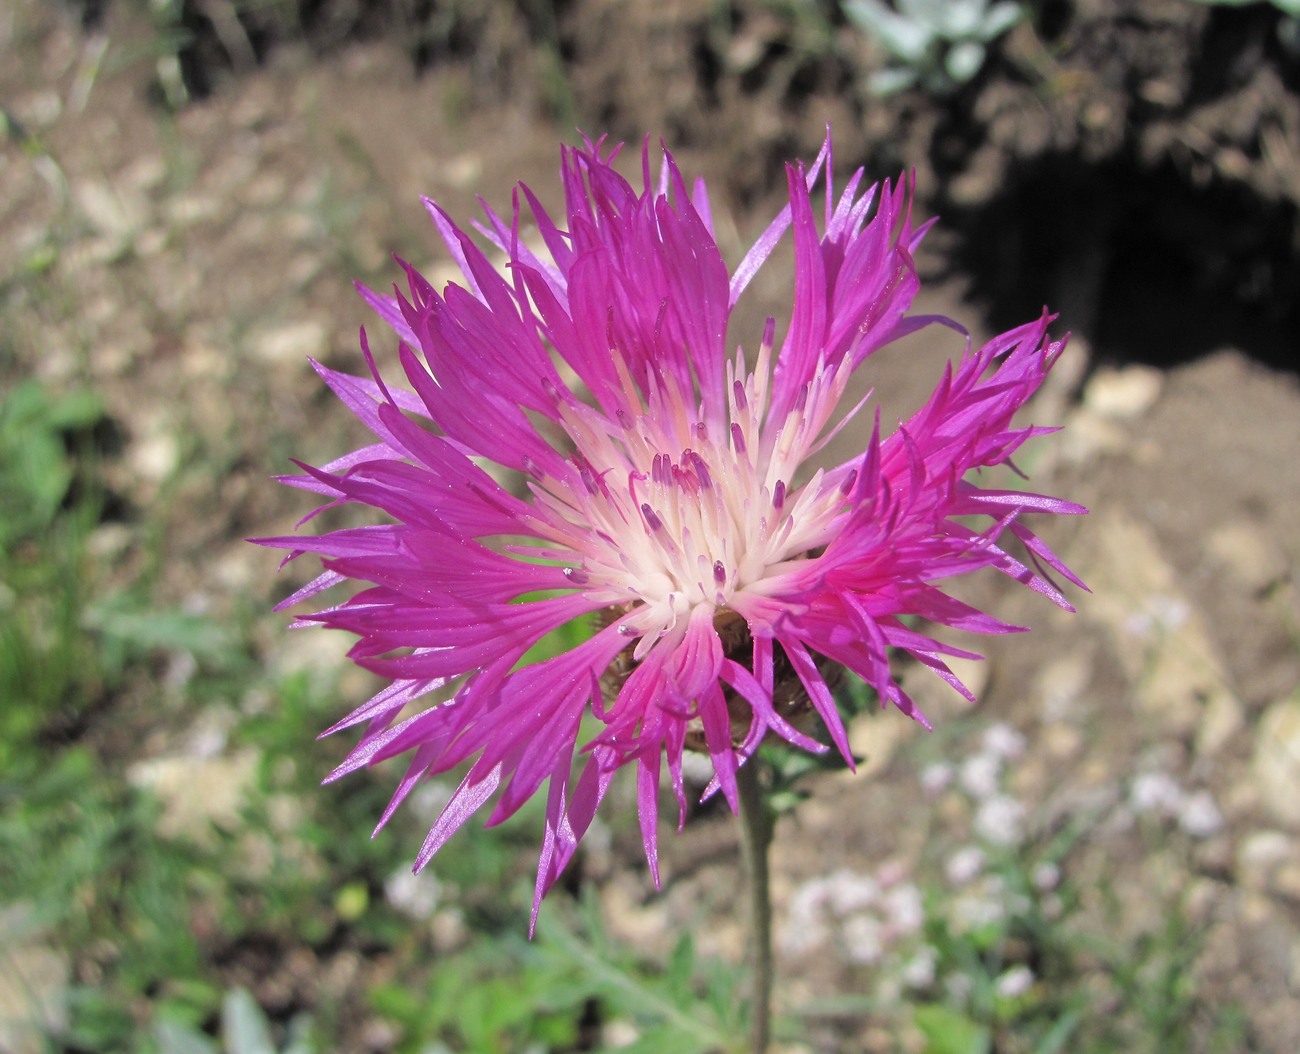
756,826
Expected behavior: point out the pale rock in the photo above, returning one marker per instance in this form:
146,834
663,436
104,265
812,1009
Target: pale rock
154,456
1286,880
1240,801
109,542
1088,436
1251,556
33,985
1214,855
296,226
186,210
1222,719
1259,856
196,792
463,170
115,212
973,673
266,188
627,917
203,358
1203,896
1255,908
1276,764
1160,638
619,1032
146,173
448,930
1061,682
290,342
152,241
1123,394
236,569
1061,741
441,273
39,109
876,737
308,649
935,697
304,269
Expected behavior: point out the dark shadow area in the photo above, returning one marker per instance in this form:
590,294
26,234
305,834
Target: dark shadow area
1147,266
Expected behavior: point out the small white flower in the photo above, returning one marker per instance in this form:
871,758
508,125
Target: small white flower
414,895
1169,613
972,911
919,971
1000,820
904,909
805,927
848,892
964,865
958,987
1155,792
1003,741
1200,816
936,778
979,775
864,939
1015,982
1046,877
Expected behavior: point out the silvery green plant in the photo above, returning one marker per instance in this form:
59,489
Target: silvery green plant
244,1030
934,44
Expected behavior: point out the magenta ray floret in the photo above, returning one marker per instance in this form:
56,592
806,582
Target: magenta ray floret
671,491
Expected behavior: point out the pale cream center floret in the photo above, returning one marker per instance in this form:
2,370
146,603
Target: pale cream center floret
676,512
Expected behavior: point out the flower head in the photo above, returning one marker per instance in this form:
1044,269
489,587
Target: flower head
672,496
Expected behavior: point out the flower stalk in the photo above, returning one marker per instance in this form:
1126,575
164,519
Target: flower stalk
757,825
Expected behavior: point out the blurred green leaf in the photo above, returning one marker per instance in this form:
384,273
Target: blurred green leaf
172,1037
134,622
949,1031
35,468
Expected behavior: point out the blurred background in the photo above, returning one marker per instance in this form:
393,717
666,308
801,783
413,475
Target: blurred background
1104,855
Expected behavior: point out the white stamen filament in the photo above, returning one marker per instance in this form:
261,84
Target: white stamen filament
665,512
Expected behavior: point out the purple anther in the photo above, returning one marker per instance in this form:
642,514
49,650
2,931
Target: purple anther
587,476
849,480
738,392
701,470
576,576
778,494
652,521
738,438
719,572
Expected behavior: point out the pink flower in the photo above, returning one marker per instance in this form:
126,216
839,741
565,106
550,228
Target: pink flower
670,496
